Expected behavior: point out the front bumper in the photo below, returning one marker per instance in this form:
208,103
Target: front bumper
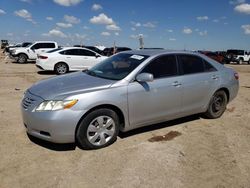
12,56
54,126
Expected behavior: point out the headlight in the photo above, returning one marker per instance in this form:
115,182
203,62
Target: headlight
55,105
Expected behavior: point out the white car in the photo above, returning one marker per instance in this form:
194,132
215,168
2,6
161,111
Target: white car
31,51
62,60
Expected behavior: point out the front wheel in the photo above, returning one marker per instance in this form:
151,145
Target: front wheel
22,58
217,105
98,129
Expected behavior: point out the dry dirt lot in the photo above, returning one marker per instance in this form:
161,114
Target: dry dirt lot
194,152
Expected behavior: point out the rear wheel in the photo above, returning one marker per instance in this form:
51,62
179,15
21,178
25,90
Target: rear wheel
61,68
217,105
22,58
98,129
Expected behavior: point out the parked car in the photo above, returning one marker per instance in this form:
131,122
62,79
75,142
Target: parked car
214,56
95,49
30,52
128,90
62,60
112,50
243,57
233,53
226,60
10,49
4,43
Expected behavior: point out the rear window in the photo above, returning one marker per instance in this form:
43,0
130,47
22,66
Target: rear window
191,64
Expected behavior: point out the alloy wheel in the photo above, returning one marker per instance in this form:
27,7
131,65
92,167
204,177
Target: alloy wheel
61,69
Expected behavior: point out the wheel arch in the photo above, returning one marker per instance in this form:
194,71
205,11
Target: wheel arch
106,106
226,90
22,53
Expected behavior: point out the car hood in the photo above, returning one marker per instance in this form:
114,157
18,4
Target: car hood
60,87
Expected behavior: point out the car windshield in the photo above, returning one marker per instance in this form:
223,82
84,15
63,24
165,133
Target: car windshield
54,50
117,67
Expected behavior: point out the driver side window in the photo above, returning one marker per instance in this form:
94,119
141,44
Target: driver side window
163,66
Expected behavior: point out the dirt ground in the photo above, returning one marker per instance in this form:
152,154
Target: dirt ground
189,152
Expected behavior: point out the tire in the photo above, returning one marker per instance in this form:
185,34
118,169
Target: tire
61,68
240,61
22,58
217,105
98,129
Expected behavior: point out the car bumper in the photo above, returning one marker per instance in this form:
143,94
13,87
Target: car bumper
233,90
53,126
44,65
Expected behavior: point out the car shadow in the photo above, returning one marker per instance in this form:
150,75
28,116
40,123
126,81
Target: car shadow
28,62
46,72
158,126
52,146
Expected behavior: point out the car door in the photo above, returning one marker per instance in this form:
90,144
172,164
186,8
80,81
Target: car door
87,58
71,57
157,100
199,81
33,50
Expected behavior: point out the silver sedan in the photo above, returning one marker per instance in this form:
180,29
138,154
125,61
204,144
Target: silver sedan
126,91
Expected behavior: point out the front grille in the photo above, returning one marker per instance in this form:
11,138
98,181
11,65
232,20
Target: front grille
27,101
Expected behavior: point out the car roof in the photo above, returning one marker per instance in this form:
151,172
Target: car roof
155,52
67,48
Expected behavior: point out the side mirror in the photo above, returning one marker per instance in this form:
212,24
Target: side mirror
145,77
97,55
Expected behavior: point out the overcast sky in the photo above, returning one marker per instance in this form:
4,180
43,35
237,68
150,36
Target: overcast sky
171,24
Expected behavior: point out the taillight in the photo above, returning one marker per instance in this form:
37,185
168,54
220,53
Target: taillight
43,57
236,76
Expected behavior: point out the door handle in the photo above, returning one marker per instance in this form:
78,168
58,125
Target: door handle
176,84
68,57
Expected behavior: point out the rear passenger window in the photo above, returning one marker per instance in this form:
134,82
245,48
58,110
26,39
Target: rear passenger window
163,66
190,64
69,52
85,53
